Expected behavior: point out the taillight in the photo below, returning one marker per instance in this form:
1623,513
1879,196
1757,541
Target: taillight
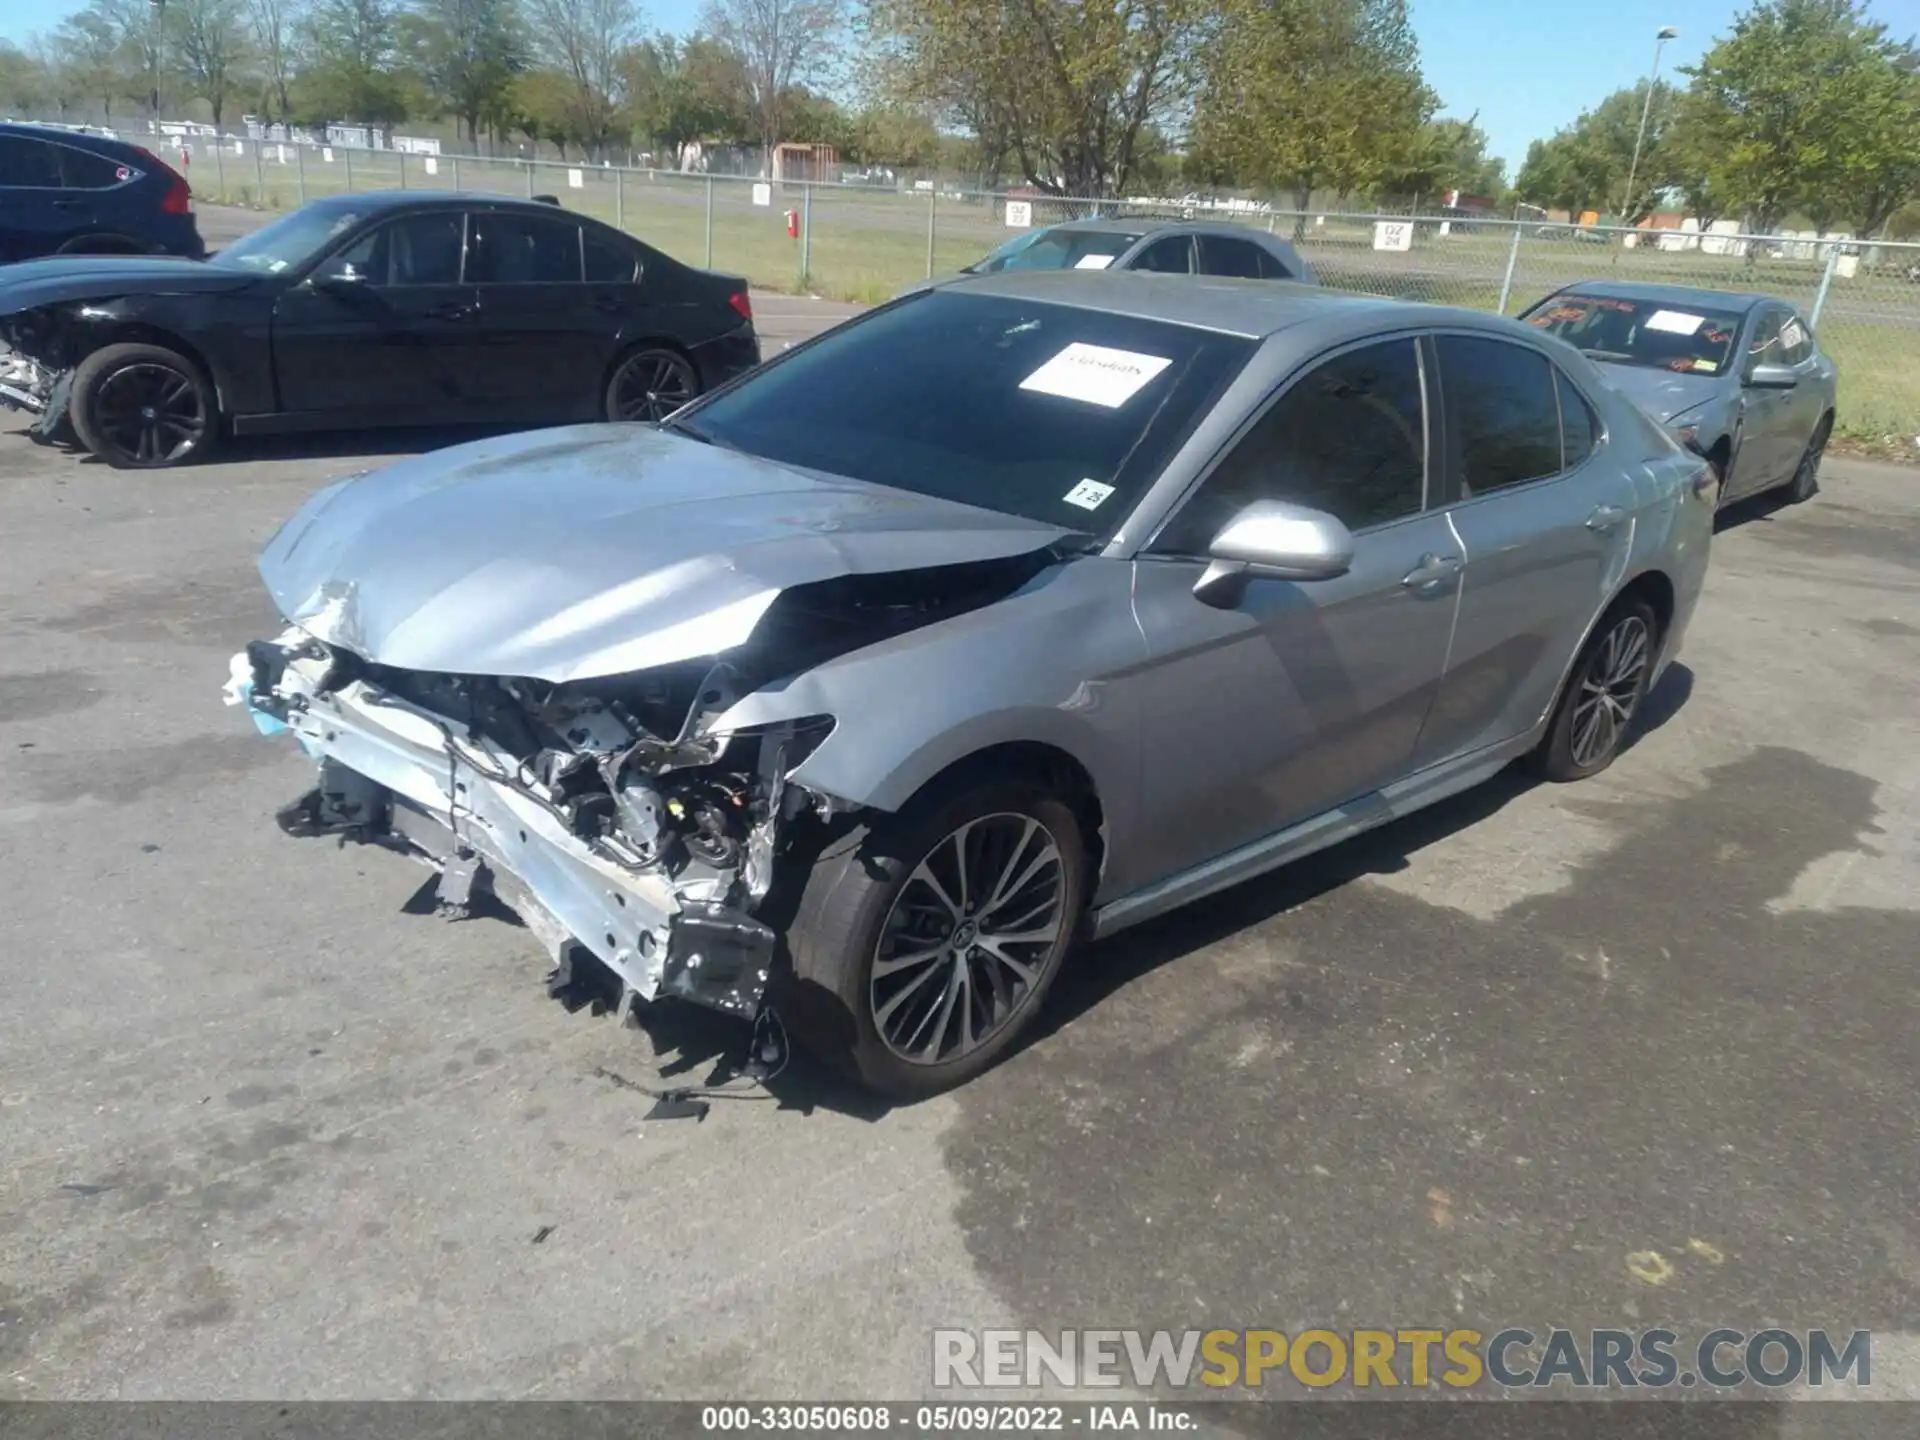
179,197
744,306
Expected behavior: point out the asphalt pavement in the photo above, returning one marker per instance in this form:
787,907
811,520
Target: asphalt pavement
264,1132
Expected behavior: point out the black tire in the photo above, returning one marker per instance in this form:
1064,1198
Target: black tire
649,383
143,407
1567,751
864,895
1805,483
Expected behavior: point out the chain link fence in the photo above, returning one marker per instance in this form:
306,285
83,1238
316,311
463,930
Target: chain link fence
866,243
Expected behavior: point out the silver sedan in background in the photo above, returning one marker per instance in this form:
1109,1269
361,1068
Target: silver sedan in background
1012,613
1738,378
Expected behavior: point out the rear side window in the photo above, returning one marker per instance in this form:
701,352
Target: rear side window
1237,259
1171,256
28,164
1503,418
524,250
608,261
1272,267
1579,431
83,170
1349,437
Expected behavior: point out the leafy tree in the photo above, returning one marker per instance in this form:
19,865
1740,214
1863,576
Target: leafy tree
1588,165
274,25
582,41
349,70
1879,169
1451,155
894,135
783,46
24,81
1064,89
1305,94
681,91
208,40
139,48
466,53
1780,108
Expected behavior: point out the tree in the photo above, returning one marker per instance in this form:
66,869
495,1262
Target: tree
687,90
783,45
25,83
466,52
1064,89
139,45
209,44
1303,94
582,41
90,47
1778,102
1879,168
1452,155
273,25
349,69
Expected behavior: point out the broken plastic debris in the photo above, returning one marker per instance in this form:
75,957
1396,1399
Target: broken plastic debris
1649,1266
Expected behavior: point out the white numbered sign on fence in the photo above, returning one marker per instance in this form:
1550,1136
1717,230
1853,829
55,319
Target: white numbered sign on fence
1393,235
763,194
1019,214
576,180
433,166
326,153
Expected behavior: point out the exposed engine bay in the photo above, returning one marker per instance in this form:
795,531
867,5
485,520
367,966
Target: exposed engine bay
613,815
36,368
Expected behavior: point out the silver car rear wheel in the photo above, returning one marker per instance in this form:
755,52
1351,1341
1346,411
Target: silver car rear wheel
967,938
1610,691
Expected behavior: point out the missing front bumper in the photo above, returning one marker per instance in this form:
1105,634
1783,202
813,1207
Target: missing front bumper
389,777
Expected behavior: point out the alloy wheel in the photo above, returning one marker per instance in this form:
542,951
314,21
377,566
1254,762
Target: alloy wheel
652,385
968,938
1610,691
149,412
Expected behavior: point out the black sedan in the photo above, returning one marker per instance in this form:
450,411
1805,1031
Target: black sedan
361,311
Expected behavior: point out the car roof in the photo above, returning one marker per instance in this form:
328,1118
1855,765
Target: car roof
1145,224
1738,301
115,145
1254,309
370,200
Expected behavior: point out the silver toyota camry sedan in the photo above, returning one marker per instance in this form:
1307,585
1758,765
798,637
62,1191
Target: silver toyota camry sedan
1739,378
1005,616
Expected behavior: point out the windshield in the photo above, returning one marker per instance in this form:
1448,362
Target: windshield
288,242
1045,411
1653,334
1056,250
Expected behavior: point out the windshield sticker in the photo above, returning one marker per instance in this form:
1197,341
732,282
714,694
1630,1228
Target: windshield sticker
1706,366
1095,374
1093,262
1088,494
1675,322
1791,335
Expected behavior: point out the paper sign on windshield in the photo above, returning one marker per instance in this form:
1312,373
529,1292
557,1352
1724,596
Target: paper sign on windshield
1675,322
1093,262
1791,335
1096,374
1088,494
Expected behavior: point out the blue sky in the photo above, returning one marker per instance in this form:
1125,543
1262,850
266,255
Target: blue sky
1528,66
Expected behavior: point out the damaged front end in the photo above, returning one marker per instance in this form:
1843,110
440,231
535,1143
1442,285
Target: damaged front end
606,814
36,373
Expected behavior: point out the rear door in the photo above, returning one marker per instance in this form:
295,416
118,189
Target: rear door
384,329
545,335
1545,518
36,214
1169,255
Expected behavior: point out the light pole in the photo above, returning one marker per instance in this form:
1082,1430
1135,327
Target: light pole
1667,32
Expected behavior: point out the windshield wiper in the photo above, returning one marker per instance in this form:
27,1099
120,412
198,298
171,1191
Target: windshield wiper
697,432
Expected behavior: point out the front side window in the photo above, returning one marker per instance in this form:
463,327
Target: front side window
1766,346
1046,411
1648,333
1349,438
1503,418
415,250
524,250
1796,340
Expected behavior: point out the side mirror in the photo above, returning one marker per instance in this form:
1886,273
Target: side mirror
1772,377
338,283
1278,540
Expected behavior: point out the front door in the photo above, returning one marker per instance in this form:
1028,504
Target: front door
1766,416
1545,534
384,329
1302,695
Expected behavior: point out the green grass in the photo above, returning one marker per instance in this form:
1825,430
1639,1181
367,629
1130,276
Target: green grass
867,245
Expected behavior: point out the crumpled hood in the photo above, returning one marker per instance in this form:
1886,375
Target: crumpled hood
593,550
32,283
1663,394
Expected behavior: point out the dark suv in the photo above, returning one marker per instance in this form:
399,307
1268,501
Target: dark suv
67,192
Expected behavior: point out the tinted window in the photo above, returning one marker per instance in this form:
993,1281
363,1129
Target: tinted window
609,261
1656,334
1272,267
1503,422
1057,250
1056,413
1238,259
29,163
1349,438
83,170
1172,256
1579,431
417,250
524,250
1764,347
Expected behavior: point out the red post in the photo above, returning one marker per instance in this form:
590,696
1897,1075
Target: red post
793,224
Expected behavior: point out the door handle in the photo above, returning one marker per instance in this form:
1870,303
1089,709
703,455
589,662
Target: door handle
1431,571
1605,518
610,305
69,204
452,310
